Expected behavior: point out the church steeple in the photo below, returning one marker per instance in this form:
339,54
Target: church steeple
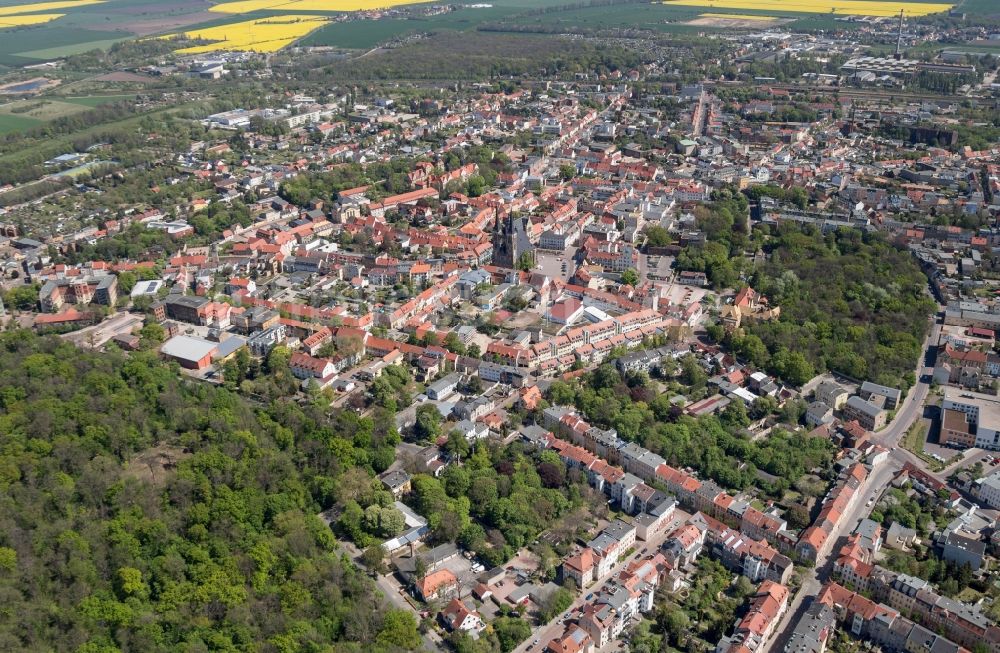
510,239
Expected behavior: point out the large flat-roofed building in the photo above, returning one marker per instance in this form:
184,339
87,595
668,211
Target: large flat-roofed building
192,353
78,290
970,419
147,288
956,430
185,308
881,65
987,489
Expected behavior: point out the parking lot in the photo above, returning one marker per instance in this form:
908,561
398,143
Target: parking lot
462,568
555,265
518,568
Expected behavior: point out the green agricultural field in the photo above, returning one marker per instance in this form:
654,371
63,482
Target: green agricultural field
91,27
980,7
75,48
820,22
15,42
12,123
644,16
520,14
975,48
22,114
365,34
101,25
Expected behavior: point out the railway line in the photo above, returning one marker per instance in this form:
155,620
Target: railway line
874,94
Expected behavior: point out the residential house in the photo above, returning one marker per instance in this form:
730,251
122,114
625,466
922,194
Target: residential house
458,617
573,640
868,415
396,481
751,633
437,585
832,394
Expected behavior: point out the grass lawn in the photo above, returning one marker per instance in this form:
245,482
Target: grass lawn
914,441
40,109
91,101
790,497
64,142
13,123
969,595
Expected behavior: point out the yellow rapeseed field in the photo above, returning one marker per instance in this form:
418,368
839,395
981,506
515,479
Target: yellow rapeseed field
45,6
30,19
246,6
261,35
840,7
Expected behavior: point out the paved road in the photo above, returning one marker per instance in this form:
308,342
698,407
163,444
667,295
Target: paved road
812,579
98,334
387,584
876,483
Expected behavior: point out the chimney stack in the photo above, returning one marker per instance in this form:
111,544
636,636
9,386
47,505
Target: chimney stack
899,38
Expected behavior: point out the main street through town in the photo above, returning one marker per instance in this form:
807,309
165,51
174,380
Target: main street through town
877,482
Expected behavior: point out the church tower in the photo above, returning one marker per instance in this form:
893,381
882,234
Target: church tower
507,248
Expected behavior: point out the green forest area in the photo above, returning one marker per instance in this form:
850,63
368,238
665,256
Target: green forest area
641,410
850,302
141,512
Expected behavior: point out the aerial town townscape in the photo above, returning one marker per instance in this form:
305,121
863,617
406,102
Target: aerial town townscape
528,326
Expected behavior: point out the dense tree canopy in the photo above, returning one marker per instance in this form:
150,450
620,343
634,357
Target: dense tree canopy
850,302
142,512
715,446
